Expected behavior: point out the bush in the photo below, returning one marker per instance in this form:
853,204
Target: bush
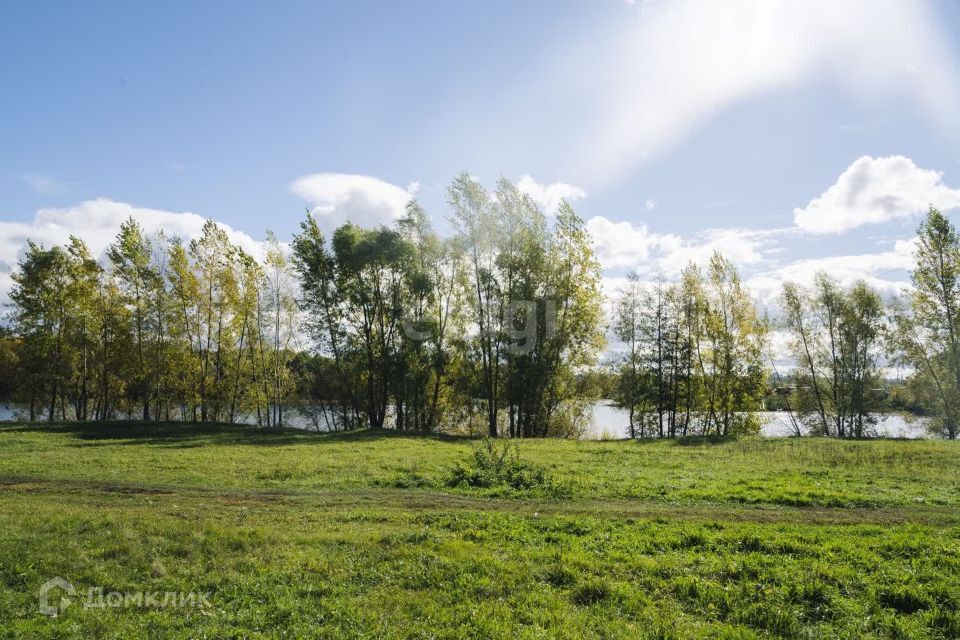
500,465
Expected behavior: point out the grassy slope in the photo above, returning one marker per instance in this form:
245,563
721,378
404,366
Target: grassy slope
356,535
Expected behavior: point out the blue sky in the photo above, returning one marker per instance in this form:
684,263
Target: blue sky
675,128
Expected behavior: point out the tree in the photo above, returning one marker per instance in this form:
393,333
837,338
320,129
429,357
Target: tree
130,258
628,327
322,303
729,350
927,330
114,348
526,307
9,364
837,341
160,310
694,353
250,383
281,303
82,325
370,279
212,256
432,282
39,296
659,330
573,332
480,235
798,322
186,330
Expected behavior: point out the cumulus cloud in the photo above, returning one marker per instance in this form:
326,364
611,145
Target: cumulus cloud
336,198
97,223
634,246
657,93
622,244
874,190
549,196
884,270
742,246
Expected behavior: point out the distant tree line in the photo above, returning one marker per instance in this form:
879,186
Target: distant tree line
696,358
160,330
495,328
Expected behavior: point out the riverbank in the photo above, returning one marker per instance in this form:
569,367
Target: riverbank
609,422
360,535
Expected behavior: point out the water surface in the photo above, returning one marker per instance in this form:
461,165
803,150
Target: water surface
609,421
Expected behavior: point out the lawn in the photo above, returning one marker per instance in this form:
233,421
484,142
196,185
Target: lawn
360,535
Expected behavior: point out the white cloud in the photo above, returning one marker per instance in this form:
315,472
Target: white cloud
779,349
549,196
336,198
874,190
634,246
742,246
622,244
885,271
97,223
649,205
675,65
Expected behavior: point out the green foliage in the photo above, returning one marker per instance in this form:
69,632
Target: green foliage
417,328
837,341
161,330
591,592
694,358
903,598
926,327
314,535
812,472
497,463
533,294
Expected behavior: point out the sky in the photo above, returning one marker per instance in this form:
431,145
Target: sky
793,136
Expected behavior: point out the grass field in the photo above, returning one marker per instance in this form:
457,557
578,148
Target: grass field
360,535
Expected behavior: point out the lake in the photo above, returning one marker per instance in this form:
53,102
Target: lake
610,421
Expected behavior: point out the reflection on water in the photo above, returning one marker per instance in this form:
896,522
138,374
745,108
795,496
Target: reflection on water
612,422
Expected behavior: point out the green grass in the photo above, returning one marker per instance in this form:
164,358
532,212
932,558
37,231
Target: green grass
360,535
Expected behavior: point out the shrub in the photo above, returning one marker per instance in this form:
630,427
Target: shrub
498,464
